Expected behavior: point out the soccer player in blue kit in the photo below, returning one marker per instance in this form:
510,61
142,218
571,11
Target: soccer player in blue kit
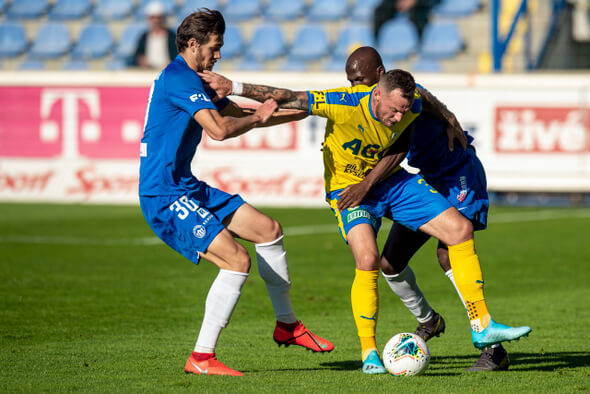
365,125
455,173
197,220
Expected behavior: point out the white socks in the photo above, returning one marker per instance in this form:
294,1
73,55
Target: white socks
405,286
449,275
220,303
273,268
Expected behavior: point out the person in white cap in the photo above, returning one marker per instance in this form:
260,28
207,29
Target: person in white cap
157,46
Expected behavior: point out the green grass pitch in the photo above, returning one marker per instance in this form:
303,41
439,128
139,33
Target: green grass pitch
90,301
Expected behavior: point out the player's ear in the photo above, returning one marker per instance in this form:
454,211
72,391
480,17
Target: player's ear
192,44
380,70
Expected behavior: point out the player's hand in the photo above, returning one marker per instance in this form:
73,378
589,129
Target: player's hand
352,195
220,84
265,111
456,132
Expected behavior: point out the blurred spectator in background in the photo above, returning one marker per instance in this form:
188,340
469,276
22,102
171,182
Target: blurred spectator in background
157,46
416,10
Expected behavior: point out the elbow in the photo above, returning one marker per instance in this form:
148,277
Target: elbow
216,135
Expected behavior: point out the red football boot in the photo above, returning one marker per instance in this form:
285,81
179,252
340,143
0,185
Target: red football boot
210,366
297,334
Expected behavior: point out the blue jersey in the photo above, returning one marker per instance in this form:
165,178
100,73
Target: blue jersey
171,134
429,150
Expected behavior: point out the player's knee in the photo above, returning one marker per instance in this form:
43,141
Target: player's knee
273,230
367,262
461,231
386,266
240,260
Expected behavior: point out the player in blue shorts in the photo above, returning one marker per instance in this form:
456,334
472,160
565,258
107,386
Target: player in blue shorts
197,220
365,124
456,174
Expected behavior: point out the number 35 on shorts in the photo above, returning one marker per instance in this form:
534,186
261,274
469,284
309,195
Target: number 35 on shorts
184,206
422,181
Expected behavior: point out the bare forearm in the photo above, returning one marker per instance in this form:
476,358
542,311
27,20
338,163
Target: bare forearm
231,127
384,168
284,97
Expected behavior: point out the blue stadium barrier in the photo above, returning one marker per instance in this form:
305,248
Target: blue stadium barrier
250,64
95,42
13,40
327,10
426,65
284,10
75,64
115,64
336,64
398,39
351,37
310,43
32,64
27,9
51,41
293,65
441,40
267,43
107,10
70,9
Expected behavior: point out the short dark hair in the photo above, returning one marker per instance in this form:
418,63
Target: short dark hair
399,79
199,25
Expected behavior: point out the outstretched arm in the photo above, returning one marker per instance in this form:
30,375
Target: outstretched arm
279,117
285,98
433,106
221,127
352,195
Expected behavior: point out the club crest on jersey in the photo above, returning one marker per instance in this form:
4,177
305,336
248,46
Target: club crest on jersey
199,231
461,196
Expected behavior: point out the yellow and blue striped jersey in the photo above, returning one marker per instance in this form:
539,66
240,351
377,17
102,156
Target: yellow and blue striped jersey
355,140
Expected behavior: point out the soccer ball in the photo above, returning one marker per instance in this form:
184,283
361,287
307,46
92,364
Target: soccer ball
406,354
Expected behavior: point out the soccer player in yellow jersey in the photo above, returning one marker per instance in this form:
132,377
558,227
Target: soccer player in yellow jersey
364,125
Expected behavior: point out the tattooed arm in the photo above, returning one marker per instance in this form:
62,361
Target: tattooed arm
284,97
432,105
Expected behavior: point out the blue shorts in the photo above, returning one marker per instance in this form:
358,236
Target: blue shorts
403,197
466,190
189,222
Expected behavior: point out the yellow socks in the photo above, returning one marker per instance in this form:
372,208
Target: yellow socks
469,280
365,305
368,344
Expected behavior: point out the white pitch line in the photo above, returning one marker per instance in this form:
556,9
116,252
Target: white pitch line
289,231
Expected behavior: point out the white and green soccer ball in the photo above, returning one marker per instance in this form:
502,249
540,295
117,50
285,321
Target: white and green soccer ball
406,354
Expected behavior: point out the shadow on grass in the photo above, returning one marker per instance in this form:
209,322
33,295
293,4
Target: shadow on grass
349,365
439,365
548,361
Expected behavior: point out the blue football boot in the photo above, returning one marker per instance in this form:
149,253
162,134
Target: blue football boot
497,333
373,365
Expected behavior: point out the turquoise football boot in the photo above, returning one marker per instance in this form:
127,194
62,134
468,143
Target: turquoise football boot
373,365
497,333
